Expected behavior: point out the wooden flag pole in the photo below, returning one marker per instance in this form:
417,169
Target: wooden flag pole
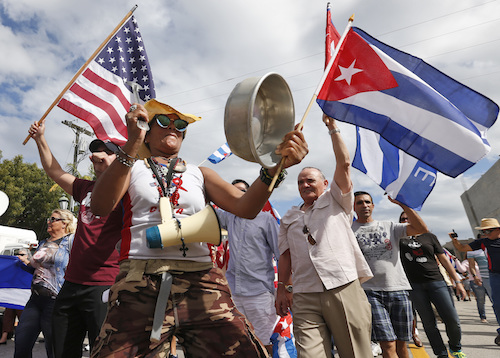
96,52
315,95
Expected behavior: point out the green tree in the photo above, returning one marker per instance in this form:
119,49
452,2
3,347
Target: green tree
30,198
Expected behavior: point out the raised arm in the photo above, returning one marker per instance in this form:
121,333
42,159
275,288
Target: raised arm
342,174
49,163
247,205
458,245
113,183
416,226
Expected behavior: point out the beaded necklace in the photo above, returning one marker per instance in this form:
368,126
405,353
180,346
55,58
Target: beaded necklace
167,186
163,174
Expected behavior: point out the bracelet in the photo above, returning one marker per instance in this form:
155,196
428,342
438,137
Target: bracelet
127,162
267,179
334,130
126,155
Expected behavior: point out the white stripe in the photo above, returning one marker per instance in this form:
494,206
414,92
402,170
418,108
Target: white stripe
428,125
15,296
370,148
406,165
104,95
395,66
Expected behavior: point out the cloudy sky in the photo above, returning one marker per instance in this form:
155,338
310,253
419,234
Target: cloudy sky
200,49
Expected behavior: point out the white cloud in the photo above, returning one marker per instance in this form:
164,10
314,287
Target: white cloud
199,50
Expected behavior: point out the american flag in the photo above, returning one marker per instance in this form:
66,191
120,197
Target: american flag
102,95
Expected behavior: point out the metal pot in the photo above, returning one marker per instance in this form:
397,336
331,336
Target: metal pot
258,113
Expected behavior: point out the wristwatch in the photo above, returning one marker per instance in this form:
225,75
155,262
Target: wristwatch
288,288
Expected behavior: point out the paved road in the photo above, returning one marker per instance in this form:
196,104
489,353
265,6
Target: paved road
477,337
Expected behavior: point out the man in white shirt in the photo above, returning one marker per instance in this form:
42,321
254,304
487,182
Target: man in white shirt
316,243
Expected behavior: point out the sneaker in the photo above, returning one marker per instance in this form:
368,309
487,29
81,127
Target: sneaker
376,350
497,340
484,320
458,354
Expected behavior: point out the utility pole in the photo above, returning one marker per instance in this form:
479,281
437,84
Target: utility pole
78,130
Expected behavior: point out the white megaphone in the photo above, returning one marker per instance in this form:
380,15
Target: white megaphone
203,226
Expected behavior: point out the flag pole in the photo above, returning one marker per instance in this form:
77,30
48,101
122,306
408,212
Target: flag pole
96,52
315,95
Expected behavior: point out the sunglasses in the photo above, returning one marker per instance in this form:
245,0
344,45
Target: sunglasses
311,240
487,231
20,254
52,219
164,121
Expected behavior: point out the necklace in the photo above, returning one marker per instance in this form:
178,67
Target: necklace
164,179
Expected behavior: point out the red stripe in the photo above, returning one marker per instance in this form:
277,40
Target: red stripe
100,103
127,223
108,86
86,116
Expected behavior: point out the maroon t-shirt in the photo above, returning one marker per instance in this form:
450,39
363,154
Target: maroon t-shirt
94,259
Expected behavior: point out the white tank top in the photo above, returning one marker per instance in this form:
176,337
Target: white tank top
142,211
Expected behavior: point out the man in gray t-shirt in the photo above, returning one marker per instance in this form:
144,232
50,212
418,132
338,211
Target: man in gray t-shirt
387,291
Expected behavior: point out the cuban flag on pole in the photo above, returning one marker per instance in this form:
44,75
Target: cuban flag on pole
408,102
220,154
402,176
15,283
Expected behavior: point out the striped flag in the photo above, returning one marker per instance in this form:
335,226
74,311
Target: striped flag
102,94
220,154
15,283
402,176
282,338
410,103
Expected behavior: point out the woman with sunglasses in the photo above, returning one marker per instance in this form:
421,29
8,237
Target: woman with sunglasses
490,243
48,265
199,310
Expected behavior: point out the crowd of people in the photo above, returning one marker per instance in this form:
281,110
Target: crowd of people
349,280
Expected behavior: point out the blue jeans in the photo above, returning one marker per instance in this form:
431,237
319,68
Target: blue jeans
36,318
480,292
436,292
495,295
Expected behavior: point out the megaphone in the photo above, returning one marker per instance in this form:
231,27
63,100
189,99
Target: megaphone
203,226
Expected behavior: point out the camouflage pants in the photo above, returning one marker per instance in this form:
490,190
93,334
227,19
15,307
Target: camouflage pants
200,313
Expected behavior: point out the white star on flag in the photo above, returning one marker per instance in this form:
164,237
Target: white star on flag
348,72
284,325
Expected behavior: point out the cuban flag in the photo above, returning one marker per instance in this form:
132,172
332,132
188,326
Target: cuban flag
220,154
403,177
15,283
282,338
271,209
408,102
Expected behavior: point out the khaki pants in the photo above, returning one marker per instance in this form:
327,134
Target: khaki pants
343,312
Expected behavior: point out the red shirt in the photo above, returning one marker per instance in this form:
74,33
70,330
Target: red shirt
93,259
